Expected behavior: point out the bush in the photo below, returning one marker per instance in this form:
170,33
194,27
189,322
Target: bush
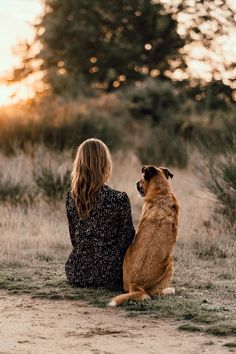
222,181
65,134
154,98
163,147
69,134
60,123
13,192
157,102
52,184
216,136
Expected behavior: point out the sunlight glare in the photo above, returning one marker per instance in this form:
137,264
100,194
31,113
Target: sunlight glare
14,93
16,20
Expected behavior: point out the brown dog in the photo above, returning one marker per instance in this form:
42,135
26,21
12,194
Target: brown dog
148,265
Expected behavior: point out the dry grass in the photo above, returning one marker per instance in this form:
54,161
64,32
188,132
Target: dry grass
28,236
35,245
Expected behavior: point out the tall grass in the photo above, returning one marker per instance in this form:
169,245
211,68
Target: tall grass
197,206
25,179
220,178
154,121
60,124
52,184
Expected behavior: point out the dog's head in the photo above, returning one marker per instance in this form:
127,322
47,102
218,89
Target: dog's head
153,176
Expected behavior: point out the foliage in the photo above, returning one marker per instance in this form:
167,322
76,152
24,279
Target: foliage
214,134
71,134
222,181
156,119
157,102
156,99
13,192
205,26
211,97
108,44
163,147
104,43
58,131
52,184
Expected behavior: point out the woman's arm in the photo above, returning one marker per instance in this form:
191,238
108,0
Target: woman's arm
126,231
70,217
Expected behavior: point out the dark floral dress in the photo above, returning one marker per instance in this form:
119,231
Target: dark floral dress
99,242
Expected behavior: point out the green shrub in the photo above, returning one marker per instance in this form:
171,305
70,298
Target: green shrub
157,103
13,192
163,148
60,124
52,184
216,137
154,98
66,134
71,133
222,181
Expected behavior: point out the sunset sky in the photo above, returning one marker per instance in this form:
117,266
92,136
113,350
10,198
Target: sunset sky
16,19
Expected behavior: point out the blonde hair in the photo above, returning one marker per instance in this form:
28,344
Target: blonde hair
91,169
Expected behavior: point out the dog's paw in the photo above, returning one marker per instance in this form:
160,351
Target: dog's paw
169,291
146,297
112,303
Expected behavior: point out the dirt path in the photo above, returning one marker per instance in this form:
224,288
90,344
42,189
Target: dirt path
41,326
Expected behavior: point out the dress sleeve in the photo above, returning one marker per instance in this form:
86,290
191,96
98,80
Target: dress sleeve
126,230
70,218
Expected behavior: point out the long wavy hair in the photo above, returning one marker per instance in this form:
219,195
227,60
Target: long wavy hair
91,169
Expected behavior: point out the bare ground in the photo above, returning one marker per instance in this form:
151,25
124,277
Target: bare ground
29,325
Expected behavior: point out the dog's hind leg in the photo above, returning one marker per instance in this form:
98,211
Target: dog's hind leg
162,287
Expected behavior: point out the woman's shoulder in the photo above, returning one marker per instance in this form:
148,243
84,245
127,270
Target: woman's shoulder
116,195
69,199
68,196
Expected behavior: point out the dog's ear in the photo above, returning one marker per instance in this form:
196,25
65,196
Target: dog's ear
167,173
143,169
149,172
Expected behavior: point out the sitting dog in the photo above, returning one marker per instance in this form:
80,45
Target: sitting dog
148,265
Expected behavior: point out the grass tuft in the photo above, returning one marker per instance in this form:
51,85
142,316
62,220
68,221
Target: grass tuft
50,183
222,329
230,345
209,250
191,328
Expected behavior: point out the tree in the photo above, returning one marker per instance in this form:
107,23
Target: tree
105,44
208,28
109,44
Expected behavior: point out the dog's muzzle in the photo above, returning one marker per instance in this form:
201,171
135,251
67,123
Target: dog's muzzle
140,189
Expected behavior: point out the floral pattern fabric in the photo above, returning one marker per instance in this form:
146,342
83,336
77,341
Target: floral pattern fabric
100,241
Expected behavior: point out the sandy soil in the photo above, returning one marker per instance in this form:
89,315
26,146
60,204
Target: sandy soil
41,326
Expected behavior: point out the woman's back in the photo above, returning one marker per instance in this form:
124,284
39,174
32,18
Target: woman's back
99,241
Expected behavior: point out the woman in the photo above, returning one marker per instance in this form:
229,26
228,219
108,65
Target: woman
100,221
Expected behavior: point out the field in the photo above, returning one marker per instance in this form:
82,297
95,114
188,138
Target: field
35,245
164,96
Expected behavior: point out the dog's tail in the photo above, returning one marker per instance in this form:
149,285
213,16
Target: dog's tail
133,295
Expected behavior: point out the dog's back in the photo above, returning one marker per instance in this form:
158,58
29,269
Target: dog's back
145,259
148,265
